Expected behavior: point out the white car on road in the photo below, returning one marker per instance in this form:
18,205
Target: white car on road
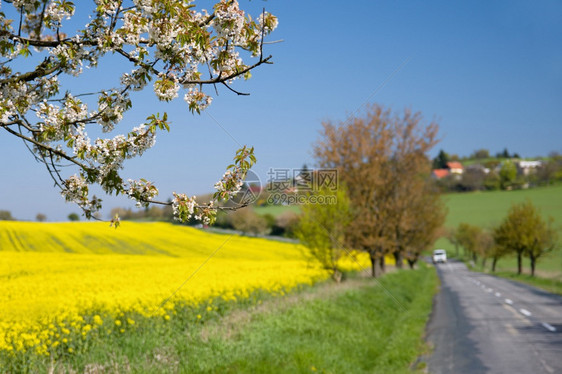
439,255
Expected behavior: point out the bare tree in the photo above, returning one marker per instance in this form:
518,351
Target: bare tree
382,160
424,227
409,177
358,149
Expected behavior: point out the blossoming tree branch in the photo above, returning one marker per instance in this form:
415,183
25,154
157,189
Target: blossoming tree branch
167,44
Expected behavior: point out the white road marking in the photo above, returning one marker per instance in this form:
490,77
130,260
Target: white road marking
489,290
498,294
517,315
508,301
525,312
549,327
548,368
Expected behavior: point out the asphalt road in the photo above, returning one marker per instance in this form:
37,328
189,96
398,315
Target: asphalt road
484,324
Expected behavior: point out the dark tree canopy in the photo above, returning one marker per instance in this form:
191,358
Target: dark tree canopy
440,161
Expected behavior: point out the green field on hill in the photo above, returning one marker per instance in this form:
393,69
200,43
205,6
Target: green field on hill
276,210
479,208
487,209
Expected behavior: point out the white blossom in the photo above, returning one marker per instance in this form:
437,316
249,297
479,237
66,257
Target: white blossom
27,5
229,21
169,44
230,178
166,88
197,100
137,79
268,22
76,190
142,192
183,207
111,106
57,11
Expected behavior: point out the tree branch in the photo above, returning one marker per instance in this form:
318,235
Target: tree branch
231,76
33,42
233,90
225,208
207,21
41,71
46,148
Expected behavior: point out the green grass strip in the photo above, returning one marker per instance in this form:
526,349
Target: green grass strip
547,284
354,327
361,330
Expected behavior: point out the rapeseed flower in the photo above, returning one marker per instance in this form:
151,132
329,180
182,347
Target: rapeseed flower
62,281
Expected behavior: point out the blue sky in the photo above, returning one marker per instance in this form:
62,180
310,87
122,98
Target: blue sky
490,73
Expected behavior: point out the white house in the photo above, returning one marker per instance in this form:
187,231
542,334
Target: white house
455,167
528,167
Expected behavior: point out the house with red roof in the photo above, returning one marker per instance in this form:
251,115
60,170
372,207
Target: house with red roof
454,168
439,173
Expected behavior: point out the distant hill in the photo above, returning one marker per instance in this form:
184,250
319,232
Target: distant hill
479,208
489,208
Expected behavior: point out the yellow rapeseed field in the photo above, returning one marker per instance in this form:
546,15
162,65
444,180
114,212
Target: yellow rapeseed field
60,282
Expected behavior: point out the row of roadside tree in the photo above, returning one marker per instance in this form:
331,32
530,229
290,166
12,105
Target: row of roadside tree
386,202
522,233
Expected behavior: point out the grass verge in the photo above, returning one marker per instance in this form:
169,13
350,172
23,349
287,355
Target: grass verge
551,284
361,325
547,284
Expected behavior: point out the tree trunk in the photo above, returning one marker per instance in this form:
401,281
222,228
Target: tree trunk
533,263
398,259
382,264
411,263
494,261
484,262
457,250
337,275
373,266
519,263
